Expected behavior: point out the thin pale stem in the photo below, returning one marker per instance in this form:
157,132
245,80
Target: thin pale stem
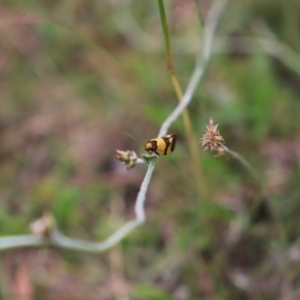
19,241
210,26
60,240
244,162
265,194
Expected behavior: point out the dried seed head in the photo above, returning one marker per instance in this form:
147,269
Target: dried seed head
128,157
212,139
44,226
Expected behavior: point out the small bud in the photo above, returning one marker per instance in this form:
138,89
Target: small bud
128,157
212,139
44,226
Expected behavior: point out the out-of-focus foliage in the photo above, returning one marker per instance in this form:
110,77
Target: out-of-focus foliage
75,75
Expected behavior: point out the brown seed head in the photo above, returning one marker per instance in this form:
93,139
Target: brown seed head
44,226
212,139
127,157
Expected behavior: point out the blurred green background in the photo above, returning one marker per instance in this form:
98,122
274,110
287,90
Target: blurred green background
75,75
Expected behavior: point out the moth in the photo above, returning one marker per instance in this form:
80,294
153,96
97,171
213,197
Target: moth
161,145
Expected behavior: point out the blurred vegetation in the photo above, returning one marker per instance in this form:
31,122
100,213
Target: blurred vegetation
75,75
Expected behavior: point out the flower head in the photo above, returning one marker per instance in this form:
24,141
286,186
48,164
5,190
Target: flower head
44,226
212,139
128,157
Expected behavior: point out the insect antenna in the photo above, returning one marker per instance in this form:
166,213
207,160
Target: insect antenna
132,137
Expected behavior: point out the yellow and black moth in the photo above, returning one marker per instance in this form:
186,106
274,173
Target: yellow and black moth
162,145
